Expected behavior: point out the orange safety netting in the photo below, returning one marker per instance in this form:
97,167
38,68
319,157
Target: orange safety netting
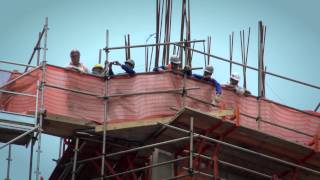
146,106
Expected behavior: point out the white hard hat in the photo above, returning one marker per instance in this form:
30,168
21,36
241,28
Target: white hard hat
74,51
175,59
130,61
235,76
209,69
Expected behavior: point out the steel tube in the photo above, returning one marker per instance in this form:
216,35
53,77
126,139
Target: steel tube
135,149
253,68
17,93
233,165
155,44
31,158
153,92
18,64
145,167
105,118
22,75
75,156
191,145
18,137
72,90
9,163
245,150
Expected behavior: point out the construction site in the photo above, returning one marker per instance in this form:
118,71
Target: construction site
156,125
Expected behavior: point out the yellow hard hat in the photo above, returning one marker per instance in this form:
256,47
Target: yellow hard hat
97,66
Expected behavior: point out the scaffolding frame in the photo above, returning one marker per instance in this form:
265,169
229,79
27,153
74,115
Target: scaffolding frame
39,96
191,137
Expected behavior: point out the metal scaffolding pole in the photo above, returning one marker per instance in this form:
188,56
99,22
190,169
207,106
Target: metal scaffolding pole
31,158
19,137
23,75
249,67
75,156
245,150
43,32
105,119
38,48
155,44
134,149
143,168
17,93
9,159
35,122
119,95
18,64
42,109
232,165
191,147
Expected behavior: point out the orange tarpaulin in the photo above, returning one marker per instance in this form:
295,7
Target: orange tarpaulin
274,119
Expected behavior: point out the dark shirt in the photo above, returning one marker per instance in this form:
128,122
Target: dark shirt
126,68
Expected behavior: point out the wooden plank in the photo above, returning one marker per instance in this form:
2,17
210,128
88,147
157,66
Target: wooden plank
133,124
63,126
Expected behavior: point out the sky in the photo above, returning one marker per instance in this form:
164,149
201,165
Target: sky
292,44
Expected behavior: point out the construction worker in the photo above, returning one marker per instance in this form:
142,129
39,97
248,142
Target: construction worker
234,84
208,71
128,67
174,65
75,62
97,70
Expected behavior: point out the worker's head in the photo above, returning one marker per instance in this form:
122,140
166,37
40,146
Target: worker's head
75,57
175,62
130,63
234,78
97,69
208,71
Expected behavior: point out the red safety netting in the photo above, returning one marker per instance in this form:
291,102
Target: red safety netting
145,106
25,83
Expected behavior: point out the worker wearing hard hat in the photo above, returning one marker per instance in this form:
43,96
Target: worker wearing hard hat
128,66
75,62
97,70
175,63
234,84
208,71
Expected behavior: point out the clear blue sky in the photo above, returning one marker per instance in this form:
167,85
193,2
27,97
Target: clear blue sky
292,43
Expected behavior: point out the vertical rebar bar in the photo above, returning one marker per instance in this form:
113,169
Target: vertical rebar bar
9,159
75,156
100,51
38,50
106,63
316,109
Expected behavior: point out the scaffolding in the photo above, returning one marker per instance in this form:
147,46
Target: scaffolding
182,128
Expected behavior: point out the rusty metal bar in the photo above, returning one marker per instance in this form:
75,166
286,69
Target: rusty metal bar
154,44
253,68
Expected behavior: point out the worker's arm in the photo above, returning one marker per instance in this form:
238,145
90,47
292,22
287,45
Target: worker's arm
159,69
217,85
197,76
128,69
111,73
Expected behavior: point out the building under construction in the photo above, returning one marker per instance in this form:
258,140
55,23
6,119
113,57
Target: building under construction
156,125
